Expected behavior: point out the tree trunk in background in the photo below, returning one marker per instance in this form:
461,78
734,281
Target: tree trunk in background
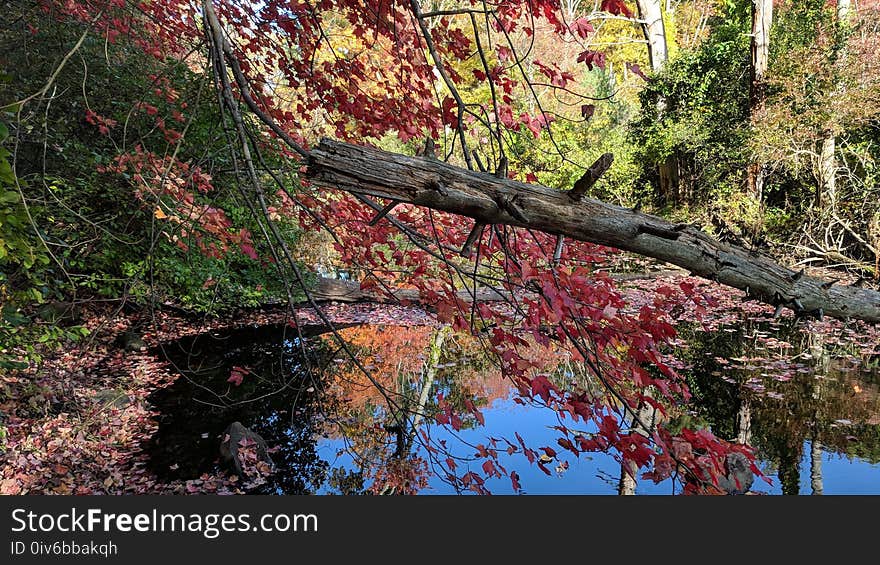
762,19
827,194
670,180
827,169
843,8
651,16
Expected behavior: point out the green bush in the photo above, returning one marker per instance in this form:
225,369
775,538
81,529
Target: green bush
106,242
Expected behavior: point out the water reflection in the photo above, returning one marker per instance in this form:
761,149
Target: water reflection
809,408
276,399
806,397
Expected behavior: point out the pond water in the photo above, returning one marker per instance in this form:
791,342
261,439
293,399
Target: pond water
813,402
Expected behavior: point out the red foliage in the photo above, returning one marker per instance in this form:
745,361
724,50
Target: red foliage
237,375
582,27
384,81
592,59
616,7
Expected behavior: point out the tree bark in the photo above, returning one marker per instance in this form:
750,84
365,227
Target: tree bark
492,200
651,15
762,19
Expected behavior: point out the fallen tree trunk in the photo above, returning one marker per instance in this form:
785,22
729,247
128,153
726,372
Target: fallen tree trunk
351,291
338,290
490,200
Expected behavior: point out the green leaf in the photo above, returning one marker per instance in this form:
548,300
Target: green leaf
14,318
7,176
8,196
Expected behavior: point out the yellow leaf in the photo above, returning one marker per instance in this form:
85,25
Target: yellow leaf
160,214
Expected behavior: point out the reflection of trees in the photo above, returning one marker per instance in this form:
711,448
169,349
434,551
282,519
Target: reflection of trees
816,467
797,389
380,417
292,401
868,445
813,405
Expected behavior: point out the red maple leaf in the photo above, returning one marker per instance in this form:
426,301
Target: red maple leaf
542,387
582,27
616,7
237,375
592,59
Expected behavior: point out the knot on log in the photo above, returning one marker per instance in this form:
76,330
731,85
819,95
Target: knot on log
501,171
672,233
472,237
429,151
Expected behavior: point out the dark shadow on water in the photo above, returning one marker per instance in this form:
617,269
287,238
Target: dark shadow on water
276,399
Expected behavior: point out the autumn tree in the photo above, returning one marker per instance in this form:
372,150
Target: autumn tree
825,73
452,215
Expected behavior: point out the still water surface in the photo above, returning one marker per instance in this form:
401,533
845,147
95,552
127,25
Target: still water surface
813,400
